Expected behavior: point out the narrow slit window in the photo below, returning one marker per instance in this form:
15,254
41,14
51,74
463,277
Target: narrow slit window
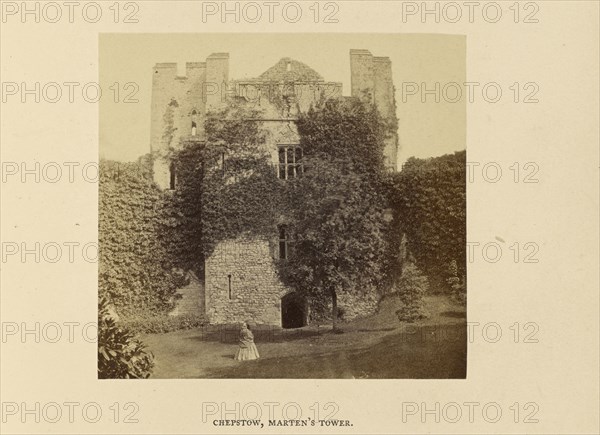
172,176
194,125
230,291
285,243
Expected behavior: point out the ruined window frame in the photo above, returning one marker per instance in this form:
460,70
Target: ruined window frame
289,169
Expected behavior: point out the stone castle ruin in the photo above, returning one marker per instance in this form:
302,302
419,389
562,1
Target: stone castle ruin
240,278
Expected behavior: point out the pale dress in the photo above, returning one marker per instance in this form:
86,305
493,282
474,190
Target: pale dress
247,350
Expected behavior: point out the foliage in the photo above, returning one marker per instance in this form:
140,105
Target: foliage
338,213
429,201
169,120
136,271
411,288
120,354
336,209
337,221
457,286
226,187
345,130
182,212
162,324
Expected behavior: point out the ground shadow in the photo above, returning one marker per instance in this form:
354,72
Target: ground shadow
424,353
262,335
454,314
376,329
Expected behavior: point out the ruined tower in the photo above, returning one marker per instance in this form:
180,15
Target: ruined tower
179,106
240,278
371,81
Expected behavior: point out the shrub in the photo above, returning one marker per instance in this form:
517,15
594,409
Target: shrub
162,324
120,354
412,286
458,288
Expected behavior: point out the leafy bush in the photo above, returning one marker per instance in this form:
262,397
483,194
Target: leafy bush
120,354
162,324
412,286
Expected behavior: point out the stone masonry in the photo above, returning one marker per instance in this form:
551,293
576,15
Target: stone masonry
242,283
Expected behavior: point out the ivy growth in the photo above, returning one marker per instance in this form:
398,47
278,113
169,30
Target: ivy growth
337,208
136,272
429,202
227,185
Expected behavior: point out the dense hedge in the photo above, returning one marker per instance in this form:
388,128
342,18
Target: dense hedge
161,324
429,201
136,272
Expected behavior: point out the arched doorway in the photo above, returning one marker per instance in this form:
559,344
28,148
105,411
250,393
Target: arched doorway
293,311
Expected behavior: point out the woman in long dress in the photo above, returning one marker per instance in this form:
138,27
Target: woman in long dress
247,350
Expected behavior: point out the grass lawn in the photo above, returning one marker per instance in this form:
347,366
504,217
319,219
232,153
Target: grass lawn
378,346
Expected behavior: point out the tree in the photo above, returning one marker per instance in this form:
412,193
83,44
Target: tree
411,288
408,282
336,210
348,130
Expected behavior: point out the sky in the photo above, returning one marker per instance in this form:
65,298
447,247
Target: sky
425,129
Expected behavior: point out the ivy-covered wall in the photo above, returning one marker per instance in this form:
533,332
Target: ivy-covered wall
136,271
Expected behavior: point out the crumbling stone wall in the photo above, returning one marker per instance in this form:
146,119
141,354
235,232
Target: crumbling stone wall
185,94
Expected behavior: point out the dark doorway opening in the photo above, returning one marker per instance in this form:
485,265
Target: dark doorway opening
293,311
